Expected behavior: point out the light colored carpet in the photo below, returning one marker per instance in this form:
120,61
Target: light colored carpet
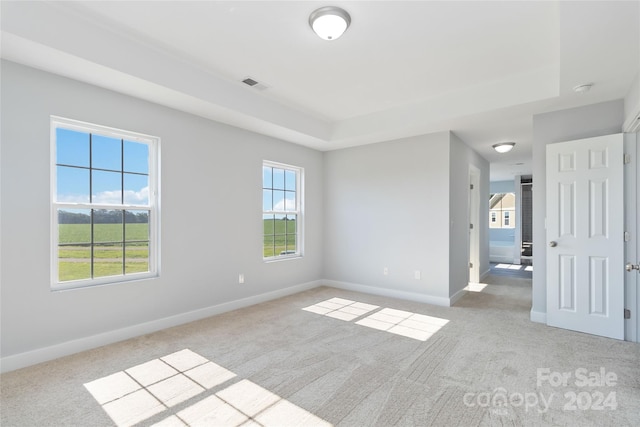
276,364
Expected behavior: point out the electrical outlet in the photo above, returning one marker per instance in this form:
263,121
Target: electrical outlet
416,274
385,271
241,278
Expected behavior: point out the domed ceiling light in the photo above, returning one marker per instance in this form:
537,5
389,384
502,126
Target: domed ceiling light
503,147
329,22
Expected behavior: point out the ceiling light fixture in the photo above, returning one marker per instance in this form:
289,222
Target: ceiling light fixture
503,147
329,22
583,88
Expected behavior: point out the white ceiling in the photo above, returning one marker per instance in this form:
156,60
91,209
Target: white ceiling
480,69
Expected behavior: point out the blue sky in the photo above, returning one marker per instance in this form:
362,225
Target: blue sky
278,191
73,149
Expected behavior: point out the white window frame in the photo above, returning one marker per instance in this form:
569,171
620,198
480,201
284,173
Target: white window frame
153,207
299,212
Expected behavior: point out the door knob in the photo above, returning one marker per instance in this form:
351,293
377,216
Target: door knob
631,267
553,244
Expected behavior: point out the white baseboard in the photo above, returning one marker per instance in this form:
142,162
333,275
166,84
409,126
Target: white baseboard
503,259
457,296
485,274
538,317
21,360
386,292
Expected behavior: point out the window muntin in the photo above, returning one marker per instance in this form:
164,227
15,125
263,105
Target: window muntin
104,205
281,211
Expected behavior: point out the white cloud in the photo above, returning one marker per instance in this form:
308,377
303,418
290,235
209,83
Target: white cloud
288,204
110,197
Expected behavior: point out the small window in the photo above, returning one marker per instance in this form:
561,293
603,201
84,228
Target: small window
281,211
104,205
502,206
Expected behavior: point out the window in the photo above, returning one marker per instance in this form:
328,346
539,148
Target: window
502,206
104,205
281,211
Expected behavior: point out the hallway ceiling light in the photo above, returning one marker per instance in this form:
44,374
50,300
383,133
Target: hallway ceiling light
503,147
583,88
329,22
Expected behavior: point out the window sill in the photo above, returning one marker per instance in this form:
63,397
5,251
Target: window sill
281,258
103,281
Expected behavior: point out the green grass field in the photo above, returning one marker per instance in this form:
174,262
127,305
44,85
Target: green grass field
279,236
81,233
74,255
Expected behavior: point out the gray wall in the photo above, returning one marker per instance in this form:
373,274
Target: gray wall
387,205
211,183
460,159
502,186
558,126
402,205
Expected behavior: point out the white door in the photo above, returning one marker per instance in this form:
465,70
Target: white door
585,211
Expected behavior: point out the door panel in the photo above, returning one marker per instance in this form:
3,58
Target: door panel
567,283
585,265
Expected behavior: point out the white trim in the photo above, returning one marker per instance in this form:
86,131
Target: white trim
299,212
538,317
153,144
632,124
392,293
485,274
457,296
473,212
28,358
502,258
517,238
632,247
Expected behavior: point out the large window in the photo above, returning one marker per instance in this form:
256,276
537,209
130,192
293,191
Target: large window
104,204
502,209
281,211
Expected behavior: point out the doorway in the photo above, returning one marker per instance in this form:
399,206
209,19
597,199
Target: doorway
474,224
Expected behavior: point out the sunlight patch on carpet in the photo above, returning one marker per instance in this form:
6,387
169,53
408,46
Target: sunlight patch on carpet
151,388
340,308
476,287
405,323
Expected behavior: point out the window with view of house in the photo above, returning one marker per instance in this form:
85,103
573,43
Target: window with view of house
502,209
104,204
281,211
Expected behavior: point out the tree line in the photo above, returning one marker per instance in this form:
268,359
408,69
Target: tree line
102,216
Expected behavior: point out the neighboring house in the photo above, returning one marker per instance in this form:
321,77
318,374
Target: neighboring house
502,210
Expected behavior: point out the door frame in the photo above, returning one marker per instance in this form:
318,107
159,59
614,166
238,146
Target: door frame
473,217
632,226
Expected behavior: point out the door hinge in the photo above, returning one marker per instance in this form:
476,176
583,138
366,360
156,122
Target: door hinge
627,236
627,159
470,226
627,313
470,186
470,265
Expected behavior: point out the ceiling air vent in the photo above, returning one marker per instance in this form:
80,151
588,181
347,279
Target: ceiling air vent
254,83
